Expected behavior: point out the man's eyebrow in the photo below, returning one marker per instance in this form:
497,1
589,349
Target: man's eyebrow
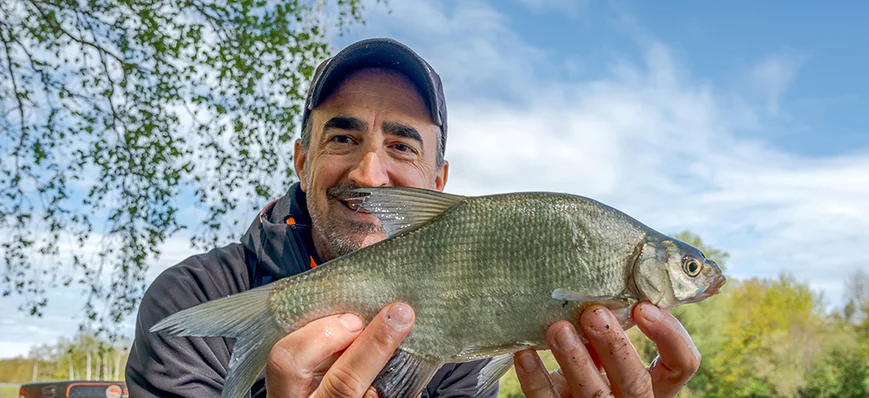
345,123
402,130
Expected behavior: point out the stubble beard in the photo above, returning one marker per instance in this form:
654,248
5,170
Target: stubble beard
338,236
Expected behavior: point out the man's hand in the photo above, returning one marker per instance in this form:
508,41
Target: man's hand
350,356
609,365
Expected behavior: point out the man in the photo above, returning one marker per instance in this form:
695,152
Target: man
375,116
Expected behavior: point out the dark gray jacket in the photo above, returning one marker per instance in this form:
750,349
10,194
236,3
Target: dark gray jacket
277,244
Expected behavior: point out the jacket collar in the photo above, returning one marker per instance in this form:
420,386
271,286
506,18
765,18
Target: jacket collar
280,237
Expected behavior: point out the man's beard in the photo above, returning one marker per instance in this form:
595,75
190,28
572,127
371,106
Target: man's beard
341,236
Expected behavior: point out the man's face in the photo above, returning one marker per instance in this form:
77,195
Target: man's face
373,130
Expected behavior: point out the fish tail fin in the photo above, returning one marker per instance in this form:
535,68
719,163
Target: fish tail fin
245,316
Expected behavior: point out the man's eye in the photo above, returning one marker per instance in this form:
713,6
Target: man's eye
342,139
403,147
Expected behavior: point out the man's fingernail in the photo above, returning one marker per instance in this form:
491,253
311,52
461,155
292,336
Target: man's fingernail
565,339
527,361
651,312
399,316
351,322
600,320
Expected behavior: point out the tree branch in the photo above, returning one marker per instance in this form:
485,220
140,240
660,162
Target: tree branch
215,22
81,41
17,98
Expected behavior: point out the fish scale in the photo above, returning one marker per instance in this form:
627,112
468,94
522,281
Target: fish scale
485,276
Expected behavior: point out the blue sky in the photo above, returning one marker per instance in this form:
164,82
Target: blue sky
744,122
721,43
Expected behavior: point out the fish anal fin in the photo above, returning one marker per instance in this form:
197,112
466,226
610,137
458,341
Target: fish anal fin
405,375
492,372
403,209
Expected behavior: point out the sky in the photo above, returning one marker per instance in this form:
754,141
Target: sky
743,122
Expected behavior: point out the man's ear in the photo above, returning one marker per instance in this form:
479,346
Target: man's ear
300,158
443,174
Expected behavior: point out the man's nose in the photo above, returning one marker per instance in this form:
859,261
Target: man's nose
370,172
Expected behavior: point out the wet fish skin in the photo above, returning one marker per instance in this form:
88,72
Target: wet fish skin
486,276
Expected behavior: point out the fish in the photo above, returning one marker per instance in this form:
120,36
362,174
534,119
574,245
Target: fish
486,276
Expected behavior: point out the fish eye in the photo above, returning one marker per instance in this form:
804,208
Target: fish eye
691,267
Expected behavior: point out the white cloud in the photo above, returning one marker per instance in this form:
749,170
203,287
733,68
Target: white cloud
773,75
10,349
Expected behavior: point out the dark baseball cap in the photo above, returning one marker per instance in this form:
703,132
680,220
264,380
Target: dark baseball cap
380,53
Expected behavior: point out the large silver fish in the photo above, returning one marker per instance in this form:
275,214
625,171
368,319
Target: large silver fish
485,275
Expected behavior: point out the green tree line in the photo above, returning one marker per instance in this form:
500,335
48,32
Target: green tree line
86,356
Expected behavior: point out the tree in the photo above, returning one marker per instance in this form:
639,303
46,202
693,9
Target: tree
118,114
773,332
857,298
842,369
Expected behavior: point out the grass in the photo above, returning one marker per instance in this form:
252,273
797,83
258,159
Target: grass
9,391
509,384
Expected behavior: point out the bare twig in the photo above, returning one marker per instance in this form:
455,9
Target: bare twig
17,98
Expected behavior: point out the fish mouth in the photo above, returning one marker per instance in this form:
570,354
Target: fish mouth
711,290
717,284
354,204
719,281
345,194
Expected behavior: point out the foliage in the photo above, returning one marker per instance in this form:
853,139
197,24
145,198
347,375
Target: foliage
113,110
772,330
842,369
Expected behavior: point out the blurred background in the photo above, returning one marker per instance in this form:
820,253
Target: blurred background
136,134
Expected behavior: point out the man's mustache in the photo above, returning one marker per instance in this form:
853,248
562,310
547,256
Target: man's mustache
343,191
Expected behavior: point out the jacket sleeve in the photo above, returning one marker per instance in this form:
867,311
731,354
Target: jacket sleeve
458,380
167,366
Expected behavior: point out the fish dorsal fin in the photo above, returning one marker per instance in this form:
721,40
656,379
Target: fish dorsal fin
402,209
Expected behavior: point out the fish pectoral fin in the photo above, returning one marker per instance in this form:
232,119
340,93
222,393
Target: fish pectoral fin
403,209
405,375
492,372
568,295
